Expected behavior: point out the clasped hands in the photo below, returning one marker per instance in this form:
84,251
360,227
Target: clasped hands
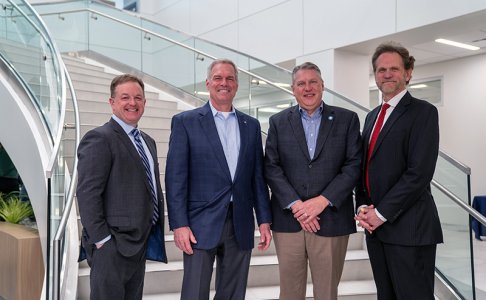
368,219
306,213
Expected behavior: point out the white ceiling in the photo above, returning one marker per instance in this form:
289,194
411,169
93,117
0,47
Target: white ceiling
469,29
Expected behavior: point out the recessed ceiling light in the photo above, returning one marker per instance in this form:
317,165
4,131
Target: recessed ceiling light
457,44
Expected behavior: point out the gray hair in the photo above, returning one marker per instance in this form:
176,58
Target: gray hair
305,66
222,61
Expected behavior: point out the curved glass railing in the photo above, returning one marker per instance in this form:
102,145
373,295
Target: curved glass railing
181,60
26,45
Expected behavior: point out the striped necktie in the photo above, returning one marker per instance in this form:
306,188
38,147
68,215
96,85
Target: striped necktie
138,142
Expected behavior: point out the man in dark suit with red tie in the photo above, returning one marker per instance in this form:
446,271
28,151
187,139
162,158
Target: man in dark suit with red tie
394,200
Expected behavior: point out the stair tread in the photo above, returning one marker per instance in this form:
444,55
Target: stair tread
256,260
346,288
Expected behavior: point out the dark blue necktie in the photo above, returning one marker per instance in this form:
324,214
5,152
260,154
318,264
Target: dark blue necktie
138,142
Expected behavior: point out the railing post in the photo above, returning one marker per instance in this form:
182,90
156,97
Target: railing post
56,270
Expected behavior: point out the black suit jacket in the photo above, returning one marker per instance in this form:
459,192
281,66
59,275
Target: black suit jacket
333,172
400,171
113,191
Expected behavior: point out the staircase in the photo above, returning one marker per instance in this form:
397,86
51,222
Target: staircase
163,281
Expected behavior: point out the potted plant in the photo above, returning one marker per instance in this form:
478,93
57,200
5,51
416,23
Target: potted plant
13,209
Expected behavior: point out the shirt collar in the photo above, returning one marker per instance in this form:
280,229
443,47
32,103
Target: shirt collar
126,127
304,113
395,100
215,112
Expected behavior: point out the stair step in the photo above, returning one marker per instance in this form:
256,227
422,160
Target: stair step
347,290
263,272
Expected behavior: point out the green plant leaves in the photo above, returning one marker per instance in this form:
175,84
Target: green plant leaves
14,210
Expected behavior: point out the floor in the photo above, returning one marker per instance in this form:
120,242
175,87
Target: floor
479,248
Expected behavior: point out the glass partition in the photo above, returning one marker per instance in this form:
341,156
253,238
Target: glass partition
264,89
455,255
25,46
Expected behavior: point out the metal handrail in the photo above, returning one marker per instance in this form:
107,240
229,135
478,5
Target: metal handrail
456,163
52,45
469,209
134,14
70,196
171,41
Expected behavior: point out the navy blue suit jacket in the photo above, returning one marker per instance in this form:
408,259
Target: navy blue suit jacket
198,181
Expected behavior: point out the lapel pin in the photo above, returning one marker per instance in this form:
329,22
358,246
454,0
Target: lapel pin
330,118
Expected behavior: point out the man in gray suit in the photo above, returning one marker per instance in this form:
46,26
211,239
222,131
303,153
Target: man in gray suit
312,163
119,196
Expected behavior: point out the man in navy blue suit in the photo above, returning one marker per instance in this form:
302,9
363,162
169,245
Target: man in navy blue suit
214,181
396,206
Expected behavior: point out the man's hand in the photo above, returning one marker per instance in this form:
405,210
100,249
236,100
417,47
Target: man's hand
312,226
265,236
368,219
308,211
183,238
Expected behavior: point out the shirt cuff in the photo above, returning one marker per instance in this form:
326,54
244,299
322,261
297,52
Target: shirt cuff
291,203
106,239
380,215
360,207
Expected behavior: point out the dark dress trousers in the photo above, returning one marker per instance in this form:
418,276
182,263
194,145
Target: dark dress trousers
400,170
199,185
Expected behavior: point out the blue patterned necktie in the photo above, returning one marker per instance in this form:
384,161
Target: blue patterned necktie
138,142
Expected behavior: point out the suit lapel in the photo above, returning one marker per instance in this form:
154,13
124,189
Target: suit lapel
369,125
394,116
209,128
324,129
244,136
298,130
127,143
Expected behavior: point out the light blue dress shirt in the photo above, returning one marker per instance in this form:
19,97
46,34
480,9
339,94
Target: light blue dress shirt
229,135
311,128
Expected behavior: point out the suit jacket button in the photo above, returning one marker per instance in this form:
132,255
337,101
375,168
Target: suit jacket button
310,166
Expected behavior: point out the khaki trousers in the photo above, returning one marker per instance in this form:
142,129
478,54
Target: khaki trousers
325,256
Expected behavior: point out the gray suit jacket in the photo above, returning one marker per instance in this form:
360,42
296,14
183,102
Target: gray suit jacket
113,192
333,172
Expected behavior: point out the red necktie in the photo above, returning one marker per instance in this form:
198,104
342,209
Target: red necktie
374,137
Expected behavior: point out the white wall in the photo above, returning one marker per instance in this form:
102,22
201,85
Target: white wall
279,30
463,113
310,30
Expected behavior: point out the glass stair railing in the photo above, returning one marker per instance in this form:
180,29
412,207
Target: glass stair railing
180,60
26,46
